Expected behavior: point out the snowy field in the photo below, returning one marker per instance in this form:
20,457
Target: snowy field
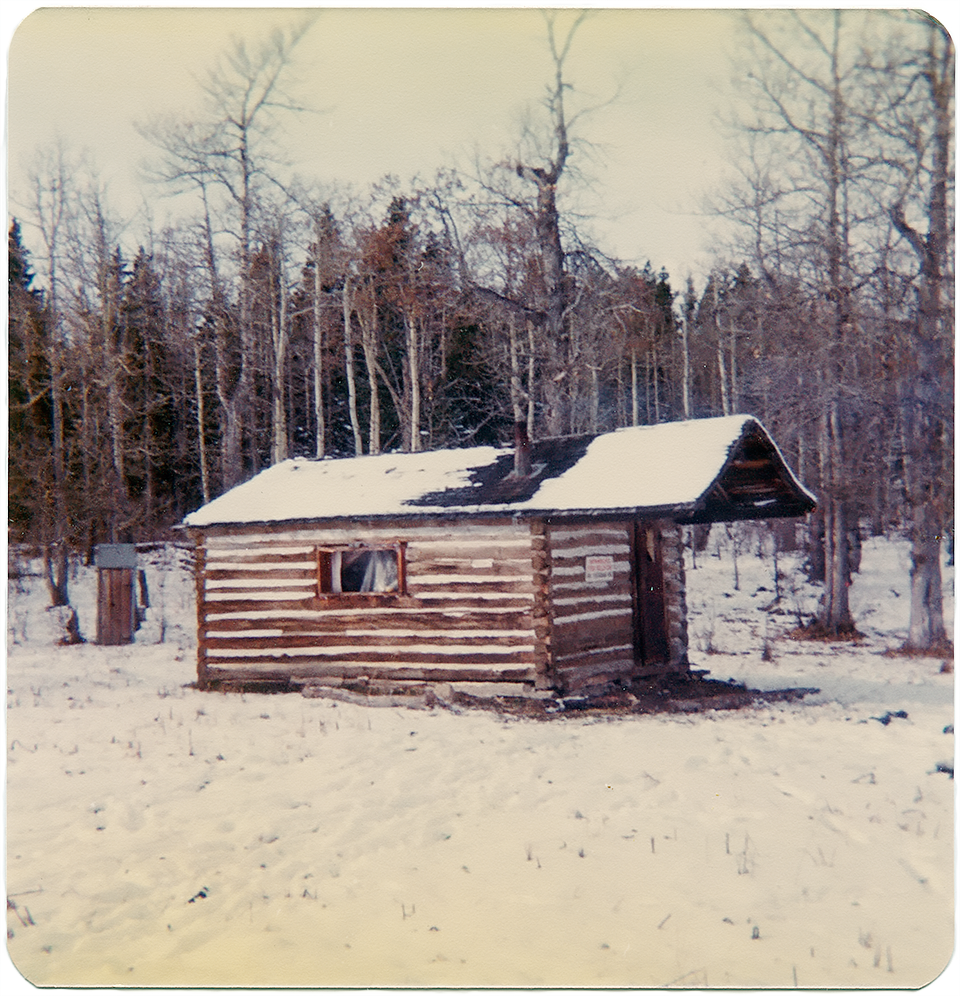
160,836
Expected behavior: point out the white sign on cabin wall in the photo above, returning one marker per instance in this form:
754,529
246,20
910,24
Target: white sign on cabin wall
599,569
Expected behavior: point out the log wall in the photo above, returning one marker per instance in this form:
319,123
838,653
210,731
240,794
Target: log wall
467,612
494,601
675,591
592,632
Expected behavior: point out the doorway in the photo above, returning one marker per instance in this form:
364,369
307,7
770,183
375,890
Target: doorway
651,644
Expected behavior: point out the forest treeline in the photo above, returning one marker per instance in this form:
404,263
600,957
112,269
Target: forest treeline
278,320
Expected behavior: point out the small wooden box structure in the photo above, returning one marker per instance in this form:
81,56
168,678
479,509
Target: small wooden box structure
563,573
116,594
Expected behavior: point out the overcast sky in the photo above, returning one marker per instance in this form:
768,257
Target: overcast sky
402,92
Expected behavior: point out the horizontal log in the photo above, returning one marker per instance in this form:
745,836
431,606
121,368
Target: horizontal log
590,666
360,643
576,586
610,615
328,603
470,566
419,621
573,554
564,533
617,545
622,656
593,634
458,552
350,527
376,700
564,608
438,598
380,656
417,586
269,671
396,686
242,557
264,596
574,654
249,548
260,597
262,573
427,601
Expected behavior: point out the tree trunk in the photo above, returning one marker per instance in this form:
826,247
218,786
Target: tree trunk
531,373
655,363
594,399
351,373
319,417
549,244
230,456
734,403
834,618
516,387
53,191
55,571
413,366
722,371
927,631
201,419
278,328
925,420
369,327
57,581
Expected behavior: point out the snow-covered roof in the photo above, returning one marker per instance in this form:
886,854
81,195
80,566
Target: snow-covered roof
673,468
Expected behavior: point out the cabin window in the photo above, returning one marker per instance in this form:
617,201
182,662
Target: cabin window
360,570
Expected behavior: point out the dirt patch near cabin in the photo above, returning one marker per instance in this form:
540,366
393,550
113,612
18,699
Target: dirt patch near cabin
686,693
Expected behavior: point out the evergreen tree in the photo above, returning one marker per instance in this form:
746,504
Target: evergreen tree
28,385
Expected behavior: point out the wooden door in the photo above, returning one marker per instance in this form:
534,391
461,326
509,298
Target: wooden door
116,610
650,614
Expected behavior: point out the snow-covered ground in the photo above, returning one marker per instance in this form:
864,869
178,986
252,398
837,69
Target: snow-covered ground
160,836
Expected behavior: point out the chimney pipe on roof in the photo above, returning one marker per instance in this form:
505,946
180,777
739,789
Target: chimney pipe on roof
521,451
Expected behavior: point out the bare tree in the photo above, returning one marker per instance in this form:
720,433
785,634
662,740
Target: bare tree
913,112
52,193
541,164
801,80
232,150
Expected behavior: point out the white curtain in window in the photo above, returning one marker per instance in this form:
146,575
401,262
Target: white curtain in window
381,573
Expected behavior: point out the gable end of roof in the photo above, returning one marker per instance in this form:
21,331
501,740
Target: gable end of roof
754,483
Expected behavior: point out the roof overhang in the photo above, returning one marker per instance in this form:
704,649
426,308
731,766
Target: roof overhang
754,483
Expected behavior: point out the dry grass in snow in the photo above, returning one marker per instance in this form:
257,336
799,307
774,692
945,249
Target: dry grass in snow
159,836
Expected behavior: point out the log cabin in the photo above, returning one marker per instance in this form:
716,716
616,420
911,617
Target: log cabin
553,568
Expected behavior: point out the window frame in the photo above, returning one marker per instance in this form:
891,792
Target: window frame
328,556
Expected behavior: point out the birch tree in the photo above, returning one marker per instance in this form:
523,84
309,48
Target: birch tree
51,194
231,149
912,112
801,81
